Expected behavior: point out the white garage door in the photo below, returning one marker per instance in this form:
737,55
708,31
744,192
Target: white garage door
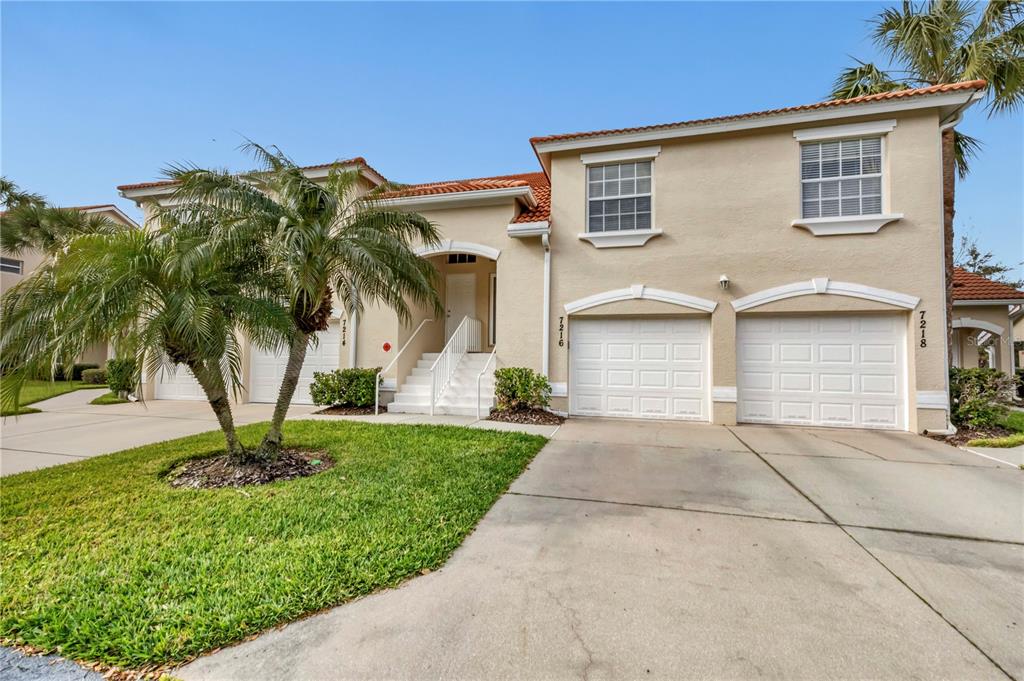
831,370
267,368
640,368
177,384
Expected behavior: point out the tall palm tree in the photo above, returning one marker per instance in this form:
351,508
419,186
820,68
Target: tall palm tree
181,299
12,196
325,240
946,41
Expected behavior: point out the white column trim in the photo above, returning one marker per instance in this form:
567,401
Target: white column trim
723,393
932,399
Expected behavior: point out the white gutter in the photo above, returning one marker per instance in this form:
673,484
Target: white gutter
970,303
546,333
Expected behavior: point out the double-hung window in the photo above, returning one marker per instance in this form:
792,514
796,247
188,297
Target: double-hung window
619,197
11,265
841,178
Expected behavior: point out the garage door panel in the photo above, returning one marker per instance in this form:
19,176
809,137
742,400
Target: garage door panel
267,368
840,370
639,368
177,383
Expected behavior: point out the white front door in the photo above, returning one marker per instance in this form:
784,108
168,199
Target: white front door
823,370
652,368
267,368
460,301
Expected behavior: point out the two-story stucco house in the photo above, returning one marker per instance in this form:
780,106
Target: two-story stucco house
783,266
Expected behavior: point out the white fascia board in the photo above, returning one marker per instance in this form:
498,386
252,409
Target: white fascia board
115,209
138,195
767,121
320,173
861,224
832,132
518,230
455,199
1007,301
635,154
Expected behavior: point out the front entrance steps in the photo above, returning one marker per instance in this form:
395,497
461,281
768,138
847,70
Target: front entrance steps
413,397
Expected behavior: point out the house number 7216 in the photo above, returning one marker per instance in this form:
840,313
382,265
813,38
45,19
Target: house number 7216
922,324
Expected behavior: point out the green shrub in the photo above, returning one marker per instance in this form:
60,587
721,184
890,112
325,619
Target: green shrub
521,388
94,376
978,397
344,387
121,376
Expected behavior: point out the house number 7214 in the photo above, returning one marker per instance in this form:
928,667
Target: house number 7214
922,324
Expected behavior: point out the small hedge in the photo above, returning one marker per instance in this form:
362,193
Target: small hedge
121,376
344,387
60,372
521,388
94,376
978,397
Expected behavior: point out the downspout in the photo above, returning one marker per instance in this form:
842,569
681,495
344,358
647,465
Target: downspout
546,333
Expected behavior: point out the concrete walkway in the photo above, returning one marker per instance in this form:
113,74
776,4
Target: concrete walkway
660,550
70,429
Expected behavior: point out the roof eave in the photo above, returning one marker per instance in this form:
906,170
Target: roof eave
948,102
988,301
465,198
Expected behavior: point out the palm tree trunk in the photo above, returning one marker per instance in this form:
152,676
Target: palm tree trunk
948,210
270,447
211,380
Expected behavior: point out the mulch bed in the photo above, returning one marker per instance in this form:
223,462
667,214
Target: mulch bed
965,435
350,411
536,417
221,471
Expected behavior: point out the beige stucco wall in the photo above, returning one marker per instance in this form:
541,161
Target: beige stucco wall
725,204
964,337
30,260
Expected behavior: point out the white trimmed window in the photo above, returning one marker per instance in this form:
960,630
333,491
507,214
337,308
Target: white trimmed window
619,197
11,266
841,178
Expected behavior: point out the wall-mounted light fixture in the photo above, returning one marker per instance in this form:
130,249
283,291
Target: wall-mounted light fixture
723,281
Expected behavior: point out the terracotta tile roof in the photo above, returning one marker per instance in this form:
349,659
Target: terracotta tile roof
971,286
358,160
898,94
536,181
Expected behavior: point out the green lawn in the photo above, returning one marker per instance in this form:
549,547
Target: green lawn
35,391
108,398
103,561
1014,421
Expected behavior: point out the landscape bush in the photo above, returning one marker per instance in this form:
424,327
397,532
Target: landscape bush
978,396
94,376
344,387
121,376
521,388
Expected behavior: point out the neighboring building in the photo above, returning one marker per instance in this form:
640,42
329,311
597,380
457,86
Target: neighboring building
986,315
782,267
14,268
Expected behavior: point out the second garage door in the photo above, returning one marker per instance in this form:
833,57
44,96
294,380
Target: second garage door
267,368
655,368
828,370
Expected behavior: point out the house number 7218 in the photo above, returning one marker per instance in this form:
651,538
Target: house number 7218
922,324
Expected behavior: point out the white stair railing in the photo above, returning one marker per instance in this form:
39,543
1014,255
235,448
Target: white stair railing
465,338
376,398
480,376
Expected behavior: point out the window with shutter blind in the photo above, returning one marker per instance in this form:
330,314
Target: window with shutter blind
11,265
841,178
619,197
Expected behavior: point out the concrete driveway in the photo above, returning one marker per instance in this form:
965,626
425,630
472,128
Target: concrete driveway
659,550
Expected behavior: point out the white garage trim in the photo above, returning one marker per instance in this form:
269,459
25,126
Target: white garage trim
451,246
822,285
968,323
641,292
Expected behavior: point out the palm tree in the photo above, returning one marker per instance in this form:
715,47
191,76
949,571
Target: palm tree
324,240
947,41
12,196
181,299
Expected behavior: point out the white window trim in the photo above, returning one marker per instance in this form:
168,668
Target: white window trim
840,131
846,224
620,239
620,155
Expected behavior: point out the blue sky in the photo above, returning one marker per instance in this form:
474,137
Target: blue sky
100,94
